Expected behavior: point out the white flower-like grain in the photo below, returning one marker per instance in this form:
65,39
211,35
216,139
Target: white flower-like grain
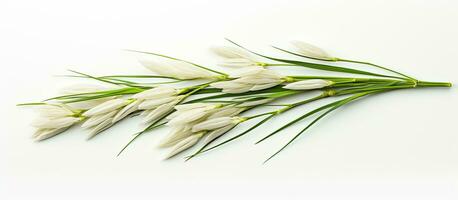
309,50
190,113
216,123
175,68
106,107
257,80
108,113
54,111
95,120
186,116
246,71
234,57
158,112
42,134
54,119
157,92
184,144
308,84
54,123
127,110
254,103
153,103
218,132
176,134
100,127
227,111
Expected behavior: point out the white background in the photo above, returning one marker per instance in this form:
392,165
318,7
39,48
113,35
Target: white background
399,145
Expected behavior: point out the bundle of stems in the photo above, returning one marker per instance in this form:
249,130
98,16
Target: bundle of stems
203,112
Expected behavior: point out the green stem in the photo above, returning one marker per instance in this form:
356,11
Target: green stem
433,84
277,64
394,85
374,65
259,115
375,88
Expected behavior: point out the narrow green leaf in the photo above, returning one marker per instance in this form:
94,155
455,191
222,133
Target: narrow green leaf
237,136
138,134
92,77
300,55
334,107
297,135
298,119
315,65
79,99
205,145
89,94
172,58
31,104
345,60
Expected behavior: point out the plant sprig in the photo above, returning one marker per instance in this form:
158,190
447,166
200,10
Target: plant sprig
207,111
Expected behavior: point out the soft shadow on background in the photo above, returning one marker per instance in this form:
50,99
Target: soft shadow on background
399,145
